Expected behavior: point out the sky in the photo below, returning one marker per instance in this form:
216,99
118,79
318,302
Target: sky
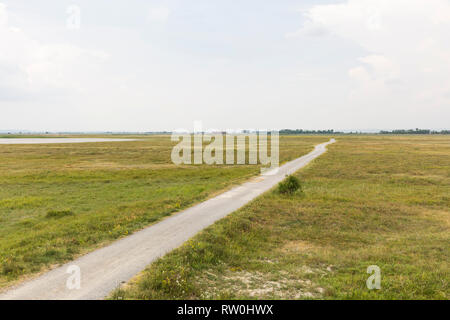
136,65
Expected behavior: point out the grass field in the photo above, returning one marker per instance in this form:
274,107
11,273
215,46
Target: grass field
58,201
370,200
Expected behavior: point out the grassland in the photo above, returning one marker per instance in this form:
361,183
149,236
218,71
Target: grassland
58,201
371,200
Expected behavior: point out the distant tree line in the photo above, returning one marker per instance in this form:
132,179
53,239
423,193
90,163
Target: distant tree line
331,131
301,131
416,131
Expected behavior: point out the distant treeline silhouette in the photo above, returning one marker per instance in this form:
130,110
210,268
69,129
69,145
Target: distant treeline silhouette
10,134
301,131
416,131
331,131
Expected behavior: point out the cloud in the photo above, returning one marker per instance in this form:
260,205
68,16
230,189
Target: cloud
406,43
29,67
3,14
380,67
309,28
158,14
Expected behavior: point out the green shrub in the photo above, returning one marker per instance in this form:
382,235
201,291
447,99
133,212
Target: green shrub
290,185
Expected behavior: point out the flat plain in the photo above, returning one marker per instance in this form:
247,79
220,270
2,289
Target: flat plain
370,200
59,201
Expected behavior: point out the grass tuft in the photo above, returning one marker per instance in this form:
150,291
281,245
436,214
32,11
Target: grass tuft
59,213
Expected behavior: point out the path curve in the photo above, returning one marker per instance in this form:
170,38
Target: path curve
103,270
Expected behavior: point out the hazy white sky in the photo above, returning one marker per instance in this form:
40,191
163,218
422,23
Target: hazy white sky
140,65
